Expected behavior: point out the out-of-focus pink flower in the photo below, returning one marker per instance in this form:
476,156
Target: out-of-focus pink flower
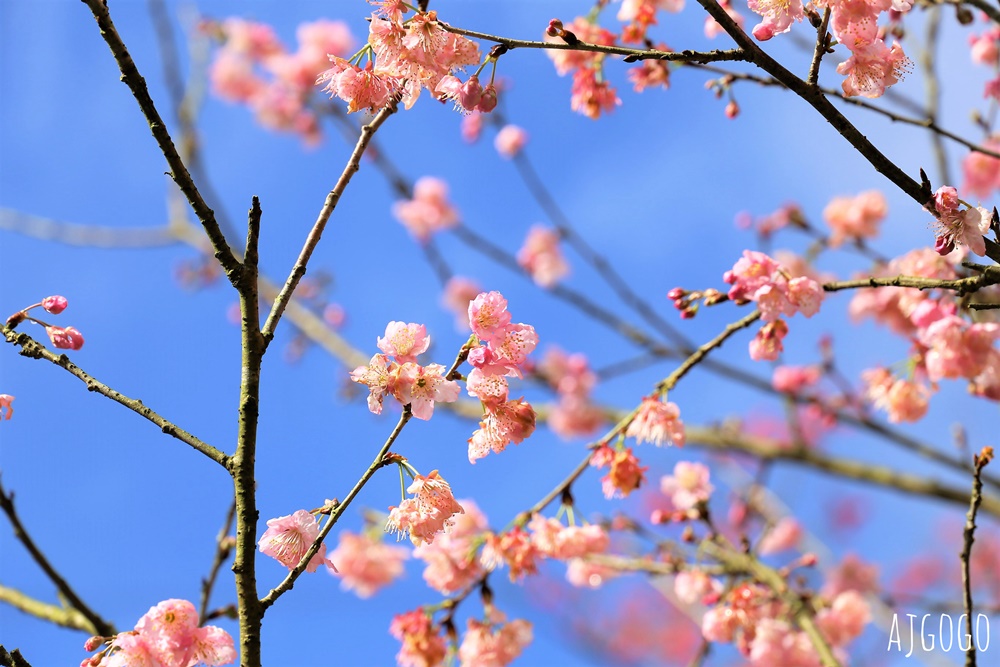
54,304
855,218
785,535
430,512
554,540
903,400
657,422
712,27
956,348
981,172
458,294
691,586
852,574
287,539
6,409
585,574
451,560
366,564
688,486
793,379
541,256
845,619
767,344
429,211
423,645
514,549
590,97
985,48
493,644
472,127
510,140
404,341
625,476
65,338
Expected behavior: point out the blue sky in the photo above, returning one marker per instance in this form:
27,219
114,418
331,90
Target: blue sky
129,516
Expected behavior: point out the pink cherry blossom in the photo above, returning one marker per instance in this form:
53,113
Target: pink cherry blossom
423,645
712,27
287,539
784,535
845,619
575,416
493,644
692,586
985,48
503,423
778,16
793,379
404,341
981,172
767,345
586,31
429,211
472,127
541,256
957,348
591,96
6,409
688,486
366,564
657,422
422,386
586,574
360,88
851,574
554,540
903,400
873,68
430,512
451,561
510,140
507,352
625,476
855,218
514,549
380,377
458,294
65,338
488,316
956,227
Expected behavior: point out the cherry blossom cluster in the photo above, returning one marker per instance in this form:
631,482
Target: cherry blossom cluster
759,278
430,512
64,338
493,642
401,377
167,635
406,56
254,68
574,414
501,350
752,618
591,93
521,550
541,256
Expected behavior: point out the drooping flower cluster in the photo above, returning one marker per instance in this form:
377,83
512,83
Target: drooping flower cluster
288,538
429,211
365,563
503,348
404,379
591,93
760,626
451,559
855,218
409,56
423,645
252,67
166,636
904,400
574,414
955,227
541,256
64,338
493,643
625,474
430,512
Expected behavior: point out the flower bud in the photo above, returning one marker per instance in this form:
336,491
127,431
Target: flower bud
488,101
54,304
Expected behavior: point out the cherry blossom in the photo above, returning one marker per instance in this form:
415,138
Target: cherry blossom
855,218
688,486
541,257
65,338
404,341
493,643
451,561
429,513
429,211
288,538
366,564
510,140
657,422
423,645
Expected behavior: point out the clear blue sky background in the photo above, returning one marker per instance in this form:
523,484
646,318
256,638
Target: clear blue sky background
129,516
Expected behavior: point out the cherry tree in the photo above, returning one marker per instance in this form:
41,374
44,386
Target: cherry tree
552,333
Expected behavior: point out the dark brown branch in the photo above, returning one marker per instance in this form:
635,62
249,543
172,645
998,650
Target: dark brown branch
979,462
178,171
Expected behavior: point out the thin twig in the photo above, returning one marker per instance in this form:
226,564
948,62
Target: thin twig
178,171
34,350
289,581
822,44
979,462
222,550
98,624
312,239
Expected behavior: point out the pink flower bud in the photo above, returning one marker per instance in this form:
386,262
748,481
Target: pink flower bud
944,245
65,338
732,109
676,293
809,559
54,304
554,28
488,102
91,644
763,32
471,93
